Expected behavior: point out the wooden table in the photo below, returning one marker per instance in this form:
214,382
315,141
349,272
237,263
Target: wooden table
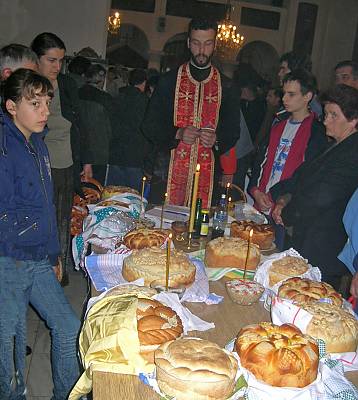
228,317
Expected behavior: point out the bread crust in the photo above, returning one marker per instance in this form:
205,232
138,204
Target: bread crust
195,369
112,190
278,355
142,238
150,264
156,324
231,252
337,327
305,290
263,234
286,267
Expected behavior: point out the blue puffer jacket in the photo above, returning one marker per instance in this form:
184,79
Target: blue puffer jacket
28,229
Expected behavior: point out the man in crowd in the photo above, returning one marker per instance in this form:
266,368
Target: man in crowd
128,145
194,114
77,68
98,118
63,138
291,142
346,72
292,61
15,56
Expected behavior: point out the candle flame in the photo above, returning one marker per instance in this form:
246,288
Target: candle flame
229,199
144,178
197,167
228,185
166,194
170,235
251,233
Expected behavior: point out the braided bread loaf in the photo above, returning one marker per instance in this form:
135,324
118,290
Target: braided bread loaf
156,324
141,238
306,290
278,355
197,369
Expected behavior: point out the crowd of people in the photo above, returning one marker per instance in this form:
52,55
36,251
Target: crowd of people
297,148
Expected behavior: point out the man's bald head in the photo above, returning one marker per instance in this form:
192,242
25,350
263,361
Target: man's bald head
15,56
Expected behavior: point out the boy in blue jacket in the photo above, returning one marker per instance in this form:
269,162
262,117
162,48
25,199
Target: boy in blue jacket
29,246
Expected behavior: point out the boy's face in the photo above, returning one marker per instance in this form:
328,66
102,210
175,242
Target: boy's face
30,115
51,62
293,99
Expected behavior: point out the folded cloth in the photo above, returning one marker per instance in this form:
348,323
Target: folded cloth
190,321
104,228
109,341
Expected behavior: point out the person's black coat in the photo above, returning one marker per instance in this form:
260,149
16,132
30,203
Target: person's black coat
128,145
322,191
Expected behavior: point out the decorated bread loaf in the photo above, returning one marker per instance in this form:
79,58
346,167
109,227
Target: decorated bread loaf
150,264
337,327
141,238
305,290
197,369
286,267
278,355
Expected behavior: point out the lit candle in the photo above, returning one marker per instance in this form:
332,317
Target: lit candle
248,251
169,242
194,197
227,190
162,213
228,205
142,193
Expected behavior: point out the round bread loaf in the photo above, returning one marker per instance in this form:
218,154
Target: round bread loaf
150,264
109,191
278,355
337,327
141,238
197,369
263,234
131,290
305,290
156,324
286,267
226,252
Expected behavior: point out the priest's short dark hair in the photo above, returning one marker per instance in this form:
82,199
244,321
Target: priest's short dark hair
203,24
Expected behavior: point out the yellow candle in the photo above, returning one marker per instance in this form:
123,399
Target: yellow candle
248,251
142,193
169,242
162,213
228,205
194,197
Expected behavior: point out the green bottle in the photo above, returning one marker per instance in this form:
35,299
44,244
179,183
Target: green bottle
197,220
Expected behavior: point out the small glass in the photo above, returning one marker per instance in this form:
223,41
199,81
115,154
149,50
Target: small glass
179,228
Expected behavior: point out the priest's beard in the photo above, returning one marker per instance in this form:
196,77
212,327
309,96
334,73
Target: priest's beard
200,61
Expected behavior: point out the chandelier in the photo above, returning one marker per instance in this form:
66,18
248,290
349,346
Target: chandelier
114,23
228,39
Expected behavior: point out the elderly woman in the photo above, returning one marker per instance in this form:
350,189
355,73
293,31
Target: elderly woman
314,208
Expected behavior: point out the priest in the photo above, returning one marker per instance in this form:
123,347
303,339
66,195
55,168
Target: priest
195,114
